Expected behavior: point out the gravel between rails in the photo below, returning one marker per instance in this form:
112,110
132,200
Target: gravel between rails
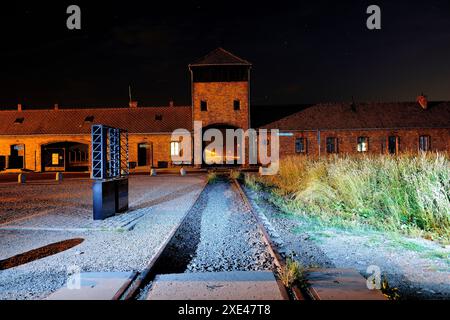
229,237
218,235
101,250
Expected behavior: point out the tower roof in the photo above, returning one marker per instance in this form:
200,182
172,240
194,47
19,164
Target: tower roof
219,57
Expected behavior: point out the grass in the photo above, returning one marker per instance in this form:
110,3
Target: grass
212,177
235,174
291,274
408,194
388,291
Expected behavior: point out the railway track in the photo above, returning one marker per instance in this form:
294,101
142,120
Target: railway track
219,233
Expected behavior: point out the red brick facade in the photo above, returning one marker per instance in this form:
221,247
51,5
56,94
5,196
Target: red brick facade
221,98
347,141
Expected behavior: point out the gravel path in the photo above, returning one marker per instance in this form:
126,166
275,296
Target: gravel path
419,268
163,200
219,234
229,237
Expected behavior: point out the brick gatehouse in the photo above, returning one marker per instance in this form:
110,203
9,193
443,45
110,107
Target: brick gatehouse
58,138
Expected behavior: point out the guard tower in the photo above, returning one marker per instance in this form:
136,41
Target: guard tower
220,83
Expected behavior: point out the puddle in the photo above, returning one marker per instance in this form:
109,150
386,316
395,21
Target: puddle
39,253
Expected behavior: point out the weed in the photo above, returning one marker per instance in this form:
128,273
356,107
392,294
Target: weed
390,293
235,174
211,177
292,273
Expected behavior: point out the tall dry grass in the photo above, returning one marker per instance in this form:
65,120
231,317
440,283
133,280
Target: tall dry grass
408,193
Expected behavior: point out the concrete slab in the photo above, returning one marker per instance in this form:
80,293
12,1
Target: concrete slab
340,284
216,286
95,286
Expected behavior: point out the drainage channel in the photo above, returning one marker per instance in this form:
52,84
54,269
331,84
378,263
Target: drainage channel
219,237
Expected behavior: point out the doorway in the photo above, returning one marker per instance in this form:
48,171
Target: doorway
145,154
65,156
16,156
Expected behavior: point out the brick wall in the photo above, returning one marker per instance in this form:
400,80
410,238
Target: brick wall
219,97
347,140
33,144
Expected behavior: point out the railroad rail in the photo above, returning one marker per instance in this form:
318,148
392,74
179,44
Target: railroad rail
140,280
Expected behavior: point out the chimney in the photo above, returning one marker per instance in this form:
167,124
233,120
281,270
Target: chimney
133,104
423,101
19,107
56,107
171,103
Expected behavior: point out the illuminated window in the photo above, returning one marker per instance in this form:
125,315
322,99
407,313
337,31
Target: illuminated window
300,145
425,143
332,145
175,149
203,105
363,144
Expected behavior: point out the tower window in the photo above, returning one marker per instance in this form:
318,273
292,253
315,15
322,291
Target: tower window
332,145
158,117
300,145
425,143
363,144
203,105
237,105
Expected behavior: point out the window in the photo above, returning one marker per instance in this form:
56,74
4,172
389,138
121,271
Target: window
332,145
393,144
237,105
19,120
89,119
55,159
175,149
300,145
363,144
203,105
158,117
424,143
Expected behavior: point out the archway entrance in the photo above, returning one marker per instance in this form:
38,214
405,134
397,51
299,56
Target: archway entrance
65,156
220,157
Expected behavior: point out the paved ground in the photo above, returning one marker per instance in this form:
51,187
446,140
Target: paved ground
419,268
158,204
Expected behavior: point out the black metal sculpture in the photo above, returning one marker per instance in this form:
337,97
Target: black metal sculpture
110,169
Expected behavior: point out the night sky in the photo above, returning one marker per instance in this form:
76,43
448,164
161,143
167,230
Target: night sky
302,51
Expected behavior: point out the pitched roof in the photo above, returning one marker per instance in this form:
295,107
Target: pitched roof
76,121
366,116
219,56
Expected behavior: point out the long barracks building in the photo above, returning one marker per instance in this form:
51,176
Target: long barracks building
58,139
